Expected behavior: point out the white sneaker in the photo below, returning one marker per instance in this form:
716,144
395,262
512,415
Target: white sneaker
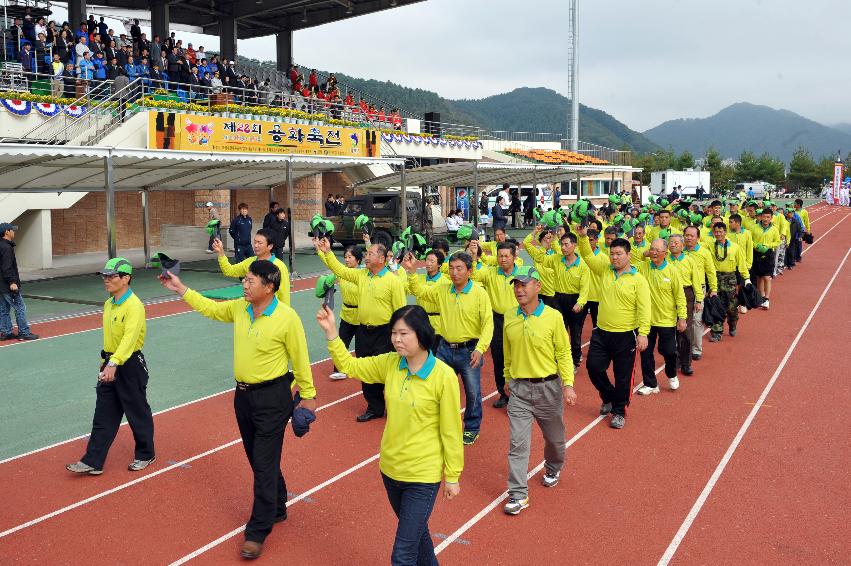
743,309
675,383
644,390
764,305
209,251
338,375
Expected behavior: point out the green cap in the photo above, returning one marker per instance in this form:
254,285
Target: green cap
117,265
325,284
467,232
361,221
525,274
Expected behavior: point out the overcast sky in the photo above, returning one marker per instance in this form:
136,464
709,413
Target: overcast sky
642,62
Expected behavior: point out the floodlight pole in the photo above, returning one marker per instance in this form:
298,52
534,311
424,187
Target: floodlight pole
145,227
573,126
109,188
403,195
290,205
476,193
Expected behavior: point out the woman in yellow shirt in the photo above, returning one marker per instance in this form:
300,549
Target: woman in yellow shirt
349,310
422,438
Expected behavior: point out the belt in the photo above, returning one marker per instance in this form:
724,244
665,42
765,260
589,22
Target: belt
498,315
539,379
688,287
433,313
240,386
458,345
371,327
347,305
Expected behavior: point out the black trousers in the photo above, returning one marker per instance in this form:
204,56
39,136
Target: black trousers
593,309
667,340
498,354
347,333
573,322
372,341
617,348
683,338
124,396
262,416
549,300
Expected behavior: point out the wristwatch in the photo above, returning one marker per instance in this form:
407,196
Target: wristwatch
111,364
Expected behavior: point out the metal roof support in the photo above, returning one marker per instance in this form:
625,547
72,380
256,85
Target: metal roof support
403,191
535,190
290,206
109,187
476,193
578,186
146,227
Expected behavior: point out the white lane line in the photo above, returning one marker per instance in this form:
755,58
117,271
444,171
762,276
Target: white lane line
713,479
293,501
166,410
817,240
144,478
495,503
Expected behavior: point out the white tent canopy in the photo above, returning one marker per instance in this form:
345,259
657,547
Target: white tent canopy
39,168
478,173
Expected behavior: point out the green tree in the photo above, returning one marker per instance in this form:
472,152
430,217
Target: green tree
685,160
824,168
802,170
770,169
747,167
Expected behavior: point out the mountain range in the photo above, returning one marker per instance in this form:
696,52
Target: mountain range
744,126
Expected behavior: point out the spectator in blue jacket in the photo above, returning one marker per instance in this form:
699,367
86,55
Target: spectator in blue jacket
241,231
85,67
130,69
99,67
27,58
204,68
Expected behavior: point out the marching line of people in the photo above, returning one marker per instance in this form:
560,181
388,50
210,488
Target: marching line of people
646,286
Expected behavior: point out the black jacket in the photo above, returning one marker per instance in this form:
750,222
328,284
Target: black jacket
281,228
8,266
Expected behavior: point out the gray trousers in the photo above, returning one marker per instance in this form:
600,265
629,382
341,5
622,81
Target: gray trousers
695,328
543,402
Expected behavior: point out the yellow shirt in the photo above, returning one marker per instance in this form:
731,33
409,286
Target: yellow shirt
690,271
463,316
782,226
745,241
380,295
496,283
655,232
805,217
703,254
349,308
594,286
430,306
667,299
624,299
730,261
572,278
768,237
241,270
538,253
123,326
636,252
536,345
422,437
263,347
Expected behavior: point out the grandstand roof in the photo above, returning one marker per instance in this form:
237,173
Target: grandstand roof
466,174
257,18
38,168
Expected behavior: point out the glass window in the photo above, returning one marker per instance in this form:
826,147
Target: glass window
383,202
353,209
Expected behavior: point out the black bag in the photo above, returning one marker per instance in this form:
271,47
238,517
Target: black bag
807,237
750,297
713,311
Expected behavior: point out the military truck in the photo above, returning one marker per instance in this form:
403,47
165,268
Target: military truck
382,207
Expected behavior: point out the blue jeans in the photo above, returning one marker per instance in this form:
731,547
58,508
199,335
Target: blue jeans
242,251
413,504
459,360
9,301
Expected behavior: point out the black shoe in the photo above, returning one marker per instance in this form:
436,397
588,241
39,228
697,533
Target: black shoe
368,416
29,336
281,518
687,370
501,403
696,357
714,336
732,331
